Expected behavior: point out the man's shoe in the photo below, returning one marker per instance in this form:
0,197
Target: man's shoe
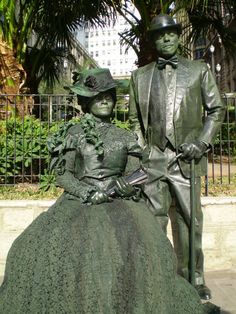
210,308
204,292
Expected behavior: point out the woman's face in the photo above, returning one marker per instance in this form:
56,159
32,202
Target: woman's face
102,105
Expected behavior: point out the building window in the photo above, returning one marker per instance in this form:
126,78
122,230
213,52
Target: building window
108,62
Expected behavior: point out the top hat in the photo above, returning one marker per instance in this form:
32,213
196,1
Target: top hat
164,21
92,82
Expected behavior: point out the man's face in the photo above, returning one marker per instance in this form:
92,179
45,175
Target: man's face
166,42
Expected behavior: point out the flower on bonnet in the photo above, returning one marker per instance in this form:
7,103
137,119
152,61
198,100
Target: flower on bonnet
91,82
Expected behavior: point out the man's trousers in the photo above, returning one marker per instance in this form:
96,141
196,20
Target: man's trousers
168,195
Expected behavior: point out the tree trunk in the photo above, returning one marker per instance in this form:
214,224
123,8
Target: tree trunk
12,78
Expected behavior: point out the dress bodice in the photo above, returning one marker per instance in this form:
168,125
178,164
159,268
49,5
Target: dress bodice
117,145
80,168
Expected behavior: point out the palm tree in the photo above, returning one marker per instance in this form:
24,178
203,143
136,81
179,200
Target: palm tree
40,32
208,18
211,19
137,36
11,72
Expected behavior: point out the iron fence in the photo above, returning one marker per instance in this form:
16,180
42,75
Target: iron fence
222,157
26,121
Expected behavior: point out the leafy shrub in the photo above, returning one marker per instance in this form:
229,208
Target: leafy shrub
226,140
23,148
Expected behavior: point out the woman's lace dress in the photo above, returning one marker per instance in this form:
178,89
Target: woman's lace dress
81,258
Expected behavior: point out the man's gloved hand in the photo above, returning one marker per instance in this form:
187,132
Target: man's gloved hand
99,197
123,188
193,150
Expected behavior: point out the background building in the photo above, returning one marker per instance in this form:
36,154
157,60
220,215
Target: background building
103,45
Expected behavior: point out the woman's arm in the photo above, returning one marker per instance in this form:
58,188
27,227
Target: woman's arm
65,177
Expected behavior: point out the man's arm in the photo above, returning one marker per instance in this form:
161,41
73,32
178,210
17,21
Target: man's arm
215,110
213,105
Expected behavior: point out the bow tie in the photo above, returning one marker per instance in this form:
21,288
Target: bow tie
173,61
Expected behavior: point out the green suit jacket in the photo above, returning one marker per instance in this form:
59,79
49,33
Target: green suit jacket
195,90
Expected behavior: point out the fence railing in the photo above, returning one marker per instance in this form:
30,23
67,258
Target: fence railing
222,158
26,121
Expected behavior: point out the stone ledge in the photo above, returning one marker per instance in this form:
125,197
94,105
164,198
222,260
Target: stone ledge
205,200
218,200
26,203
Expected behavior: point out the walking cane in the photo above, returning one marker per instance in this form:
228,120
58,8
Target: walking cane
192,223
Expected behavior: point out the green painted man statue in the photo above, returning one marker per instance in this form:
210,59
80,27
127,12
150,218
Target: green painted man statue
167,101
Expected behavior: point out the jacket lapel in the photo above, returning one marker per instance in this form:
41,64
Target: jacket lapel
182,81
144,88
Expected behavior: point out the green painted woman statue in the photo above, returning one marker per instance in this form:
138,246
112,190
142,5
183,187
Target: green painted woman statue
91,253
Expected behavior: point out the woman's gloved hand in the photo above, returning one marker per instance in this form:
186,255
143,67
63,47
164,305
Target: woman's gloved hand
123,188
193,150
99,197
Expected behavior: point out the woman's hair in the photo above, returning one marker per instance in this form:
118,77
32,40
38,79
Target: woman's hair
85,101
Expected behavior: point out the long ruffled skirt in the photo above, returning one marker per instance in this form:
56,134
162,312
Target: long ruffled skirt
108,258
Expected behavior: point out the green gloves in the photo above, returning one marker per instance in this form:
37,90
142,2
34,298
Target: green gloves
99,197
193,150
123,188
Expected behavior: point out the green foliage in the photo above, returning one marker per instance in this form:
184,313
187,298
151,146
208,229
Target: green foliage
9,81
121,124
47,181
226,139
23,148
122,86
